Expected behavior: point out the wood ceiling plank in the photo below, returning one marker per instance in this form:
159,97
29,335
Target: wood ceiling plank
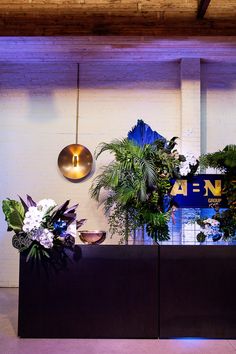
202,8
117,17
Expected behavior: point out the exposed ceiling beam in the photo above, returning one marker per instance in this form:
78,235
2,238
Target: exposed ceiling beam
203,5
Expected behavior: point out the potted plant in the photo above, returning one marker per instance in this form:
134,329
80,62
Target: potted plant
134,188
224,222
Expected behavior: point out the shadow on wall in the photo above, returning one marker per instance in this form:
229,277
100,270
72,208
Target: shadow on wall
131,75
41,106
38,76
40,81
37,82
218,76
41,78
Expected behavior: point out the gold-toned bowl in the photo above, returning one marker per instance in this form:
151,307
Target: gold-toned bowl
92,236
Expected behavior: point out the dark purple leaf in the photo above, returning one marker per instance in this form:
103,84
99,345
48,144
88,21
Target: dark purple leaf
60,211
79,223
30,201
69,241
69,216
74,207
24,204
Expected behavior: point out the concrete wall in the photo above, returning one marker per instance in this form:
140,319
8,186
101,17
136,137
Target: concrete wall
38,109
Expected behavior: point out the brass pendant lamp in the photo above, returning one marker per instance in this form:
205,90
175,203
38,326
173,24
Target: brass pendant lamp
75,161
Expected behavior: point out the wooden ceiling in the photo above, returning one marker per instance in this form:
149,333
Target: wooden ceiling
117,17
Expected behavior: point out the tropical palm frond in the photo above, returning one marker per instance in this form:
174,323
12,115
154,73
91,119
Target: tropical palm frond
149,172
119,148
230,147
136,182
223,159
125,195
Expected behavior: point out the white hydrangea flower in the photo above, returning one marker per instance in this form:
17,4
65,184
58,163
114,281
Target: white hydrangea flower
43,236
215,223
46,204
46,239
211,222
35,234
33,219
211,228
209,231
184,167
191,159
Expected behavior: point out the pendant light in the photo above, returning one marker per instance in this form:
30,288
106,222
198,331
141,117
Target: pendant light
75,161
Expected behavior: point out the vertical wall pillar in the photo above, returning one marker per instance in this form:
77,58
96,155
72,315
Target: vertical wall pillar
190,106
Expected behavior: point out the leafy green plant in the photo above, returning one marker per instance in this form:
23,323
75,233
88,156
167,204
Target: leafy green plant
225,161
136,184
14,214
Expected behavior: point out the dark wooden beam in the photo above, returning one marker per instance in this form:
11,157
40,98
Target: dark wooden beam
203,5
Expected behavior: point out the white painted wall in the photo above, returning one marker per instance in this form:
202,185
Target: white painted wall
218,105
38,104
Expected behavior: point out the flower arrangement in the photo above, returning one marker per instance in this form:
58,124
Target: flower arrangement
210,228
221,226
188,165
42,226
225,161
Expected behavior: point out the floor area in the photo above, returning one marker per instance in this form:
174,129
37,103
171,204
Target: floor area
11,344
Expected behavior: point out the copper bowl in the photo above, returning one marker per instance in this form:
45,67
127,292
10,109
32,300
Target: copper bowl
92,236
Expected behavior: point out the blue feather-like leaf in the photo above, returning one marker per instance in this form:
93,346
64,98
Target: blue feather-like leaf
142,134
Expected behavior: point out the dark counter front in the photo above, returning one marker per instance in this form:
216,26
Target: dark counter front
106,291
198,291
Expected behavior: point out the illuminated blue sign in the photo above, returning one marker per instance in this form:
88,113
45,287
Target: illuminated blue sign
199,191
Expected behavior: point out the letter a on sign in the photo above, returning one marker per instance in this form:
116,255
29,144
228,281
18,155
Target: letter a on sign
179,187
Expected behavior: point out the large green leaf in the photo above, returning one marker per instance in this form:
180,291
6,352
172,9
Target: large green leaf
14,214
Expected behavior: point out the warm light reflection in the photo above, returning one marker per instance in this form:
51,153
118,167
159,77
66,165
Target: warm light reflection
75,160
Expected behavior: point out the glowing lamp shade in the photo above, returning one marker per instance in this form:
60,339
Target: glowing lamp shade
75,161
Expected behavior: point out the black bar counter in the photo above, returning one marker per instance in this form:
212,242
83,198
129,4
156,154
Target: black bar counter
131,291
100,291
197,291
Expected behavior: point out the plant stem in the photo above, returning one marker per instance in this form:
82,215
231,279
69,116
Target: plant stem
143,233
126,226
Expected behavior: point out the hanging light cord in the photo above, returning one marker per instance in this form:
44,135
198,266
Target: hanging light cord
77,106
